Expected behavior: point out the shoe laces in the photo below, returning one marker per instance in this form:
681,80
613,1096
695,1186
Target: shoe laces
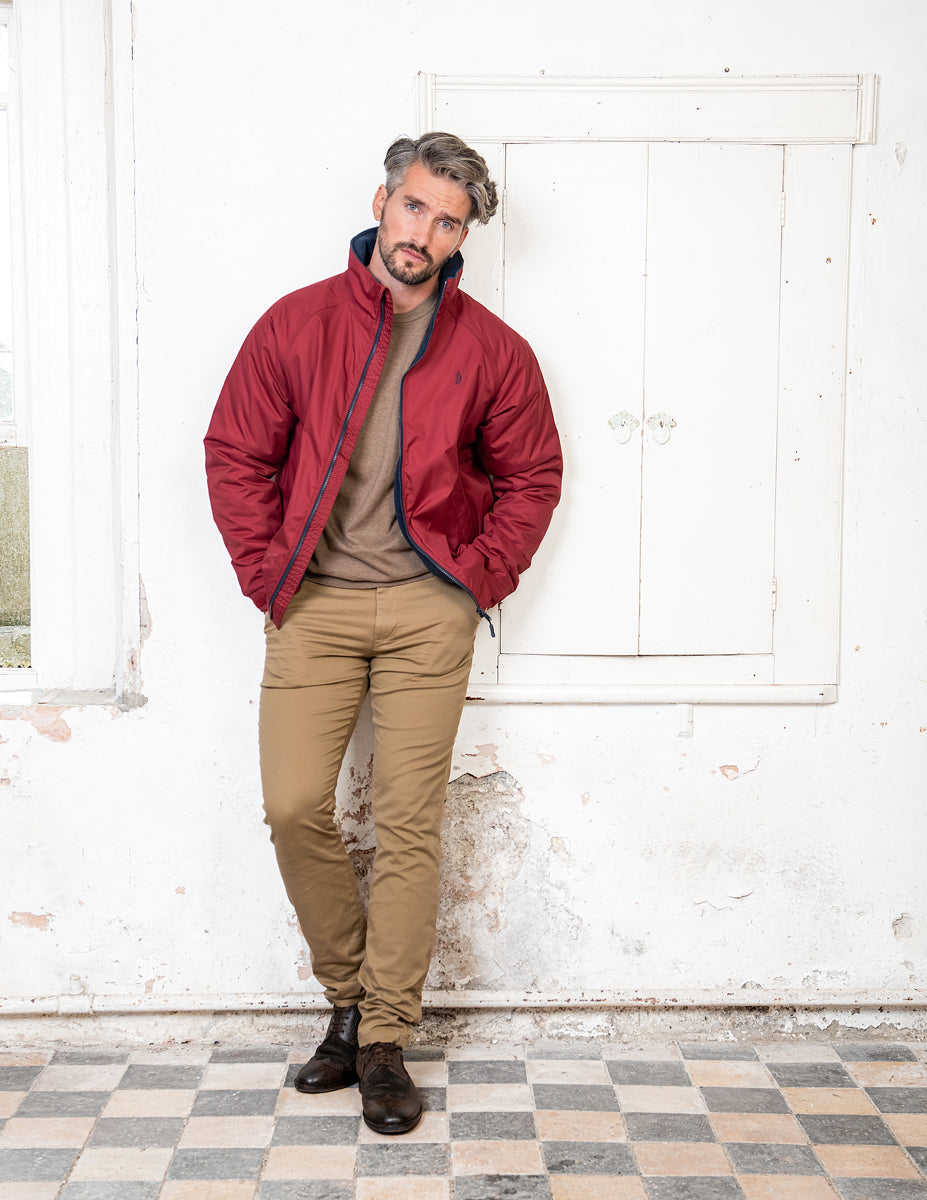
382,1054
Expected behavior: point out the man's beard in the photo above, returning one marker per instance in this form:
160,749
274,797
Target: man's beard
396,266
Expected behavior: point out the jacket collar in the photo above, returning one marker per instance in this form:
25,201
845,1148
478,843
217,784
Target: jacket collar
367,288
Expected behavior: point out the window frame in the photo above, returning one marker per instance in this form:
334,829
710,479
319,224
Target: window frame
75,291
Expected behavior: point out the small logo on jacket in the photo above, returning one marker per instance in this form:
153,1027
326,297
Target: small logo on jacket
459,378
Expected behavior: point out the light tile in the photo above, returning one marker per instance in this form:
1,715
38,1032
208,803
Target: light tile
208,1189
227,1131
38,1132
433,1127
181,1056
888,1074
384,1187
828,1101
9,1102
878,1162
634,1098
310,1162
542,1070
578,1126
243,1076
785,1187
909,1128
795,1052
483,1053
680,1158
23,1058
596,1187
428,1074
719,1073
489,1097
122,1162
28,1191
770,1128
347,1102
93,1078
150,1102
643,1051
496,1158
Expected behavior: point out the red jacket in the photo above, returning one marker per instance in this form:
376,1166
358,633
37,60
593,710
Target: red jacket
479,473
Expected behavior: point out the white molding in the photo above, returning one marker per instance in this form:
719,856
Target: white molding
75,343
652,693
462,999
777,109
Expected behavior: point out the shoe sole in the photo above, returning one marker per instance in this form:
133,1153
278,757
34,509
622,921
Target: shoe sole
393,1128
316,1089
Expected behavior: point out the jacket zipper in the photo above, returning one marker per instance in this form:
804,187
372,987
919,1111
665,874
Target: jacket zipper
434,567
331,465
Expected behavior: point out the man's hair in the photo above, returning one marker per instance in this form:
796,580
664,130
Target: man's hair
446,155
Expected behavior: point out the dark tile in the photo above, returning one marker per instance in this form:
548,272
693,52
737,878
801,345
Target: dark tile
593,1097
18,1079
154,1075
492,1126
501,1187
579,1050
760,1158
874,1052
35,1166
588,1158
710,1187
652,1074
215,1164
136,1131
423,1054
416,1158
90,1057
899,1099
306,1189
63,1104
716,1050
315,1131
810,1075
505,1071
123,1190
251,1054
845,1130
881,1189
744,1100
246,1102
434,1099
919,1154
669,1127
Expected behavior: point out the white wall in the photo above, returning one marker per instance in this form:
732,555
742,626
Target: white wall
777,848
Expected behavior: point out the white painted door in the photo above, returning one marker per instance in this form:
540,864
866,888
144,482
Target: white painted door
647,279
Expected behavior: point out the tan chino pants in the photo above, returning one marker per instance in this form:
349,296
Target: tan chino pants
411,646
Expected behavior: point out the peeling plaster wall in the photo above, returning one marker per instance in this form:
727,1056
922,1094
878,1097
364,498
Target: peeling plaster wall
586,848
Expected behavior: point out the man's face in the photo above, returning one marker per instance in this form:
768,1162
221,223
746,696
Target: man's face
421,224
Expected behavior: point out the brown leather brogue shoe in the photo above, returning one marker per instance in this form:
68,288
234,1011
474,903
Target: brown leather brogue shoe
390,1099
333,1064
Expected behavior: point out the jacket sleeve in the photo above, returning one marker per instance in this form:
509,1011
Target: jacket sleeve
246,445
520,449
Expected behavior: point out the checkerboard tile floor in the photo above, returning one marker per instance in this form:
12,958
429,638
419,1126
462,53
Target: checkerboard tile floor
602,1121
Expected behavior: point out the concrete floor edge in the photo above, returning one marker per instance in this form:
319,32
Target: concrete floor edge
459,1027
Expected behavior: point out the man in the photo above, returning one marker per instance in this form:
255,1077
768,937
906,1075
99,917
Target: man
382,465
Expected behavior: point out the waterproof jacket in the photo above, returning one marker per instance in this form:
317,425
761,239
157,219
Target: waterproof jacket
479,470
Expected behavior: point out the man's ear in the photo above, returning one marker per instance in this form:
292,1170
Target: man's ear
463,238
379,200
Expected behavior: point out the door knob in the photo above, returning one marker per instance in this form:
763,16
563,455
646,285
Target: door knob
660,426
623,425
